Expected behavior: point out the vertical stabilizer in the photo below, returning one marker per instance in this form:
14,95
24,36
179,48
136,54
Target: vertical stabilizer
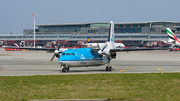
89,40
111,32
111,44
171,36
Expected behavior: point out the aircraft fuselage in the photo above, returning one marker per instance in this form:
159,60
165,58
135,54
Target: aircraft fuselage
81,57
177,43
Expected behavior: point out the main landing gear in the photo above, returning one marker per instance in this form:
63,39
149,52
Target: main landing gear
65,68
108,68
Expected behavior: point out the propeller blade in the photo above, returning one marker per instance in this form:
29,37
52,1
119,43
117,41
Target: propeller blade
52,57
101,59
59,47
98,46
95,56
104,47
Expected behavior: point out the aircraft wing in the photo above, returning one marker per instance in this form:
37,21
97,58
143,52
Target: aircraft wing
136,49
43,49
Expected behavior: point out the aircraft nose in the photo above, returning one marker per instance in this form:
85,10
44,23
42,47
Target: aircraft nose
60,61
63,60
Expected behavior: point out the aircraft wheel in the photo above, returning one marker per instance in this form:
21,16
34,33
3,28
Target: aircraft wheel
110,68
67,68
64,70
106,68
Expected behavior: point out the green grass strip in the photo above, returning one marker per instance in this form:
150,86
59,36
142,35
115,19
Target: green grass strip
145,87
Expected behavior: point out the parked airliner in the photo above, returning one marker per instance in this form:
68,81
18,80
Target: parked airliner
172,39
90,44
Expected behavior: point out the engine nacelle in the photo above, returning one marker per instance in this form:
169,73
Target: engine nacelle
58,55
113,55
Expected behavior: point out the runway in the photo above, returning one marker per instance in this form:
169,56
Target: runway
24,63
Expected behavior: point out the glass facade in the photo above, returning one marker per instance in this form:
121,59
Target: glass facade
62,28
130,27
103,28
71,28
163,24
127,30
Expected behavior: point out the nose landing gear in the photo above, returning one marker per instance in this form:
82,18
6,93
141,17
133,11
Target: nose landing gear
65,68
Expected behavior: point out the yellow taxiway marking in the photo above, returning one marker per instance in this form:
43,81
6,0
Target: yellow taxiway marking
160,70
122,70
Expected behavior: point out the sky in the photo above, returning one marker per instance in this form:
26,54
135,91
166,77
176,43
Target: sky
16,15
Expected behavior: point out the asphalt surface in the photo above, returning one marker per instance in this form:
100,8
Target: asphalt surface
23,63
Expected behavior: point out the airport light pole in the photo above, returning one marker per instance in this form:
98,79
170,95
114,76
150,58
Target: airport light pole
34,30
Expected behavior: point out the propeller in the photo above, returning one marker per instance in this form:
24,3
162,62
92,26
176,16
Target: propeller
56,53
100,52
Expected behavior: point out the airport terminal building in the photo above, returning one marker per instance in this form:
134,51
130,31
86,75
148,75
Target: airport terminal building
154,27
131,34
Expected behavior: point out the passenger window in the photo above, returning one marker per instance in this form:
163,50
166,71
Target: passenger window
72,53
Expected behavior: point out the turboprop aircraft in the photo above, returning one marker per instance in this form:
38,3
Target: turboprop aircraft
172,39
84,57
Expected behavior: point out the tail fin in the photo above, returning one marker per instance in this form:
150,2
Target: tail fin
111,32
89,40
171,36
111,44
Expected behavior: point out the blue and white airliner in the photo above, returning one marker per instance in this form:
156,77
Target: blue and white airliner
83,57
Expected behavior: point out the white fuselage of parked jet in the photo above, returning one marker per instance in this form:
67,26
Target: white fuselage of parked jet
93,45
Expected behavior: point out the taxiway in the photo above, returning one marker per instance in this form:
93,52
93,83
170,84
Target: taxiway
24,63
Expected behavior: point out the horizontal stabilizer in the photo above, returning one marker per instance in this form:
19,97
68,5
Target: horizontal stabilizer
136,49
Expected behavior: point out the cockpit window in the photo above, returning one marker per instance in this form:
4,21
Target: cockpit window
68,53
63,53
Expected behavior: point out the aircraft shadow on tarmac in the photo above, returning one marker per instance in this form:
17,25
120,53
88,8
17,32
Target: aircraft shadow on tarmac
95,70
32,70
71,71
